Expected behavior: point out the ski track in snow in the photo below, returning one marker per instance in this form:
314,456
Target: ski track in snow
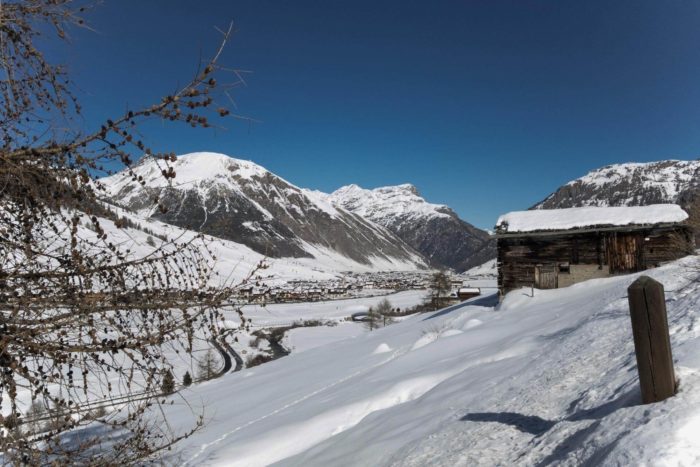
206,446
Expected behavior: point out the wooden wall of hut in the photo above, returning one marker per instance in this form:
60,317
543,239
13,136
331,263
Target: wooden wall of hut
618,251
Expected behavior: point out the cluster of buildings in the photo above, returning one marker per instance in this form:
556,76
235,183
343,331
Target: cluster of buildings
352,285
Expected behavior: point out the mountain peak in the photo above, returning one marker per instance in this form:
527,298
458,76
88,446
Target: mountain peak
627,184
208,165
382,191
404,187
404,200
191,169
433,229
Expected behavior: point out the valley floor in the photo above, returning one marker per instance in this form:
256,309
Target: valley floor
535,381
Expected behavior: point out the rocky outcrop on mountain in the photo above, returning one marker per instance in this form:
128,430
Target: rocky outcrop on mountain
433,229
631,184
241,201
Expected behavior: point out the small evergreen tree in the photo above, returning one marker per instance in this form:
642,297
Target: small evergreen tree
187,379
168,384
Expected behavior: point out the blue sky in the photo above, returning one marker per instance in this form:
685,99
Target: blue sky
486,106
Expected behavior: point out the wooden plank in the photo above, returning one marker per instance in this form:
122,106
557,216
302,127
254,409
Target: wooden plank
651,339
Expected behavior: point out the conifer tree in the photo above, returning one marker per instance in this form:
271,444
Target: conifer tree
187,379
167,385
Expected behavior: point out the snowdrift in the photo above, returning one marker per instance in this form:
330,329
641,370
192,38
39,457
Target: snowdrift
534,381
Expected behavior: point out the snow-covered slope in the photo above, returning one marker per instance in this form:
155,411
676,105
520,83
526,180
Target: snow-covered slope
433,229
630,184
549,380
242,201
235,261
488,269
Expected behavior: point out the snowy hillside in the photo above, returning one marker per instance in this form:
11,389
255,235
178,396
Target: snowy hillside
241,201
631,184
433,229
235,261
488,269
536,381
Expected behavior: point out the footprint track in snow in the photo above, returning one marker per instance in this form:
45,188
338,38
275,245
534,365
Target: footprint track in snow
223,437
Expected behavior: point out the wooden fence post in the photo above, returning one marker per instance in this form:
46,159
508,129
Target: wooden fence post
652,343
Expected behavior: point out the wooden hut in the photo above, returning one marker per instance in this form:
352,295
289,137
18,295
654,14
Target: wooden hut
555,248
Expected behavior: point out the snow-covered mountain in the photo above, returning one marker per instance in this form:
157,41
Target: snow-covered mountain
433,229
242,201
630,184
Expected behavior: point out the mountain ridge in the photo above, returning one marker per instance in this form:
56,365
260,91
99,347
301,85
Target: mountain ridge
435,230
241,201
628,184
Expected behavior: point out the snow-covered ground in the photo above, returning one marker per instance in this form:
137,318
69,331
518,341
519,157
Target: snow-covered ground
535,381
285,313
488,269
303,339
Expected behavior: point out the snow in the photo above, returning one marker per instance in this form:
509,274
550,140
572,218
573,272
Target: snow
670,176
283,314
385,203
382,348
321,200
571,218
622,183
549,379
488,269
189,169
307,338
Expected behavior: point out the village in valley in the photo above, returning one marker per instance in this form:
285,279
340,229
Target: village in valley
356,285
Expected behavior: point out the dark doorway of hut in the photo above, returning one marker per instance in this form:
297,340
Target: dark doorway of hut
546,277
625,252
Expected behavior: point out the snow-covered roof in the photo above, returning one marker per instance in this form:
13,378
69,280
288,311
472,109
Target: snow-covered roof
579,218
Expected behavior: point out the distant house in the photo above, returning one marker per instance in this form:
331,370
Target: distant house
555,248
314,293
465,293
245,291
